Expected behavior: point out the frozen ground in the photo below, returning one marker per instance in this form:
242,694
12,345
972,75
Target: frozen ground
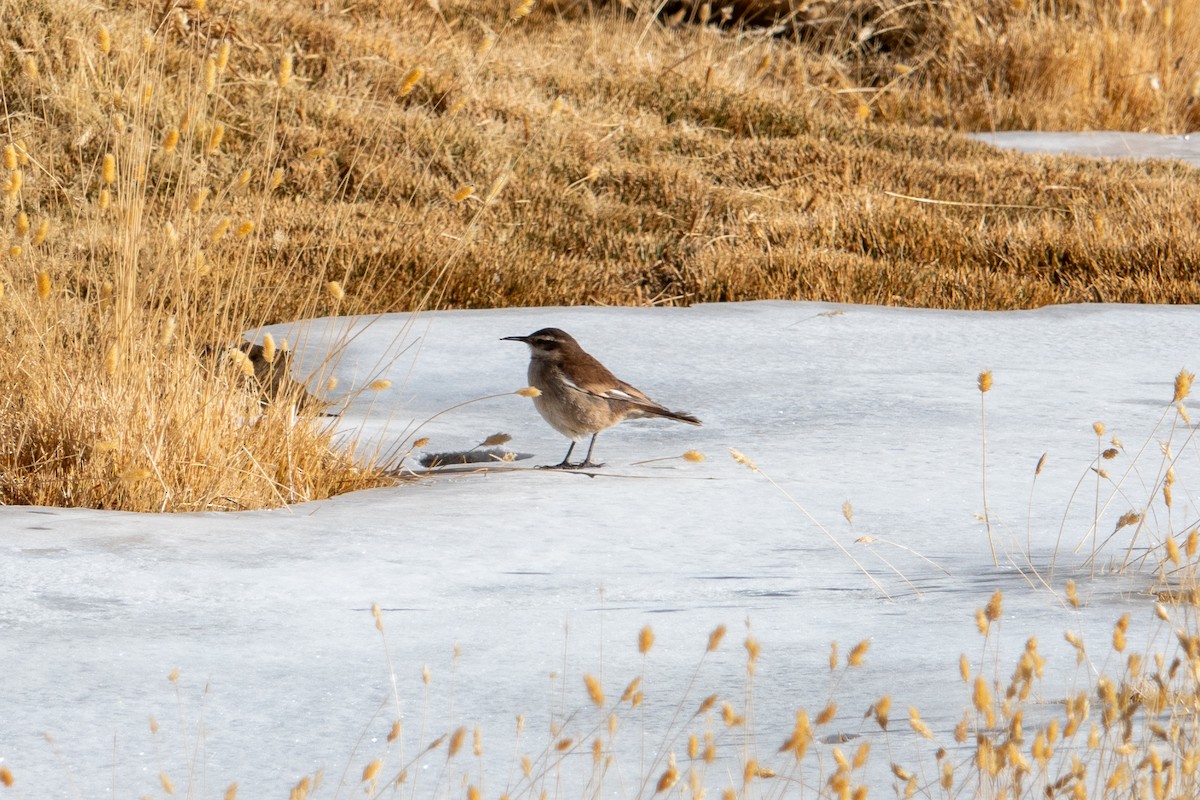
1100,144
532,573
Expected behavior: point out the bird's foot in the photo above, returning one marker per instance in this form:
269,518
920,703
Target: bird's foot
567,465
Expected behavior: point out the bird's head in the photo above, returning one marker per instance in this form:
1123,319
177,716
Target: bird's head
548,343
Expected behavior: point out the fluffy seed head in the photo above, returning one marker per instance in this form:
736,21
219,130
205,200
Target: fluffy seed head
411,79
379,384
285,70
335,290
165,780
6,776
103,39
520,11
855,658
462,194
456,741
881,710
43,284
797,743
40,233
10,157
742,459
994,607
671,775
170,140
595,693
985,381
244,229
109,168
269,352
529,391
714,638
215,138
1183,385
210,75
371,770
223,55
22,224
14,183
694,456
219,231
645,640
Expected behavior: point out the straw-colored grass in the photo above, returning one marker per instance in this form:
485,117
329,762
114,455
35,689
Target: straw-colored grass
176,175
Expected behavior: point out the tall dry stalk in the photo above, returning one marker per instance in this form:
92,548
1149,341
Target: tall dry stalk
985,385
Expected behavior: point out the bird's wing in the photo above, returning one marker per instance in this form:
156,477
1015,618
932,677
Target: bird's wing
606,386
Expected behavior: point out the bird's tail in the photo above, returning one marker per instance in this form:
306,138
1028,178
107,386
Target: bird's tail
676,415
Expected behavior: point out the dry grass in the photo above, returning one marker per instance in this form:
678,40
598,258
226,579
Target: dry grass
214,165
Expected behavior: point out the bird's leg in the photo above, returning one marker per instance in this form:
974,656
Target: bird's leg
587,460
566,462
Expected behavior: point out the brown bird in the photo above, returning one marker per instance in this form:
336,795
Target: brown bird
579,396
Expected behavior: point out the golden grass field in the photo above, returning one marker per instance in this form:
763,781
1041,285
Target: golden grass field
175,174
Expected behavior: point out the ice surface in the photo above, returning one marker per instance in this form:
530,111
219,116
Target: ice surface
531,572
1100,144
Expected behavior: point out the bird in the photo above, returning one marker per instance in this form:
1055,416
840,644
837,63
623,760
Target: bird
579,396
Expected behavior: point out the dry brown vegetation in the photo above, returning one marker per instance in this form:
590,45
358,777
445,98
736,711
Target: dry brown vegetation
177,173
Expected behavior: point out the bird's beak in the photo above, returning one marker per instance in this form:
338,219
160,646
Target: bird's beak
524,339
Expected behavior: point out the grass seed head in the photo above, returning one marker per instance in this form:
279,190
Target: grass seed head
10,157
693,456
371,770
285,71
456,741
43,284
6,776
855,658
985,381
109,168
462,194
335,291
21,226
529,391
1183,385
595,692
995,606
671,775
881,710
742,459
715,637
215,137
411,79
802,735
520,11
645,639
379,385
